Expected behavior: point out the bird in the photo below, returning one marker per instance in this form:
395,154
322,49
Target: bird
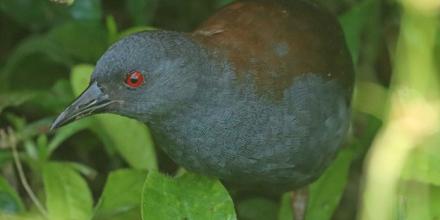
257,95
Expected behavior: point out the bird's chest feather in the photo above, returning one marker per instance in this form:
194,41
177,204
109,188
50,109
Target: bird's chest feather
230,132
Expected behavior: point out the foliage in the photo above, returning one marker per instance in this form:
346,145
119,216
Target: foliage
189,196
107,167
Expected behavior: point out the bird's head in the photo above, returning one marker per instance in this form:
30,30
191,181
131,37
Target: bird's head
141,75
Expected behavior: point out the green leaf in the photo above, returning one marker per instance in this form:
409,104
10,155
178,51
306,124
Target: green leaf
10,202
115,205
67,194
189,197
257,209
130,137
326,192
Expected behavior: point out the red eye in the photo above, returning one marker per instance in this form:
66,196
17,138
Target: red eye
134,79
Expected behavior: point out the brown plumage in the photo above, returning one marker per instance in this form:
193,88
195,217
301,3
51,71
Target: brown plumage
277,41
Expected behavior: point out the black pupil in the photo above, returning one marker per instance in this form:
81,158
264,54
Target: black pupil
134,79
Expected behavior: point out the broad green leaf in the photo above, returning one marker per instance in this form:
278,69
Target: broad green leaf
130,137
121,198
10,202
67,194
190,197
326,192
257,209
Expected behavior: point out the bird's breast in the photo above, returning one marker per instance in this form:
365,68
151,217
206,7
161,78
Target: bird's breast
239,134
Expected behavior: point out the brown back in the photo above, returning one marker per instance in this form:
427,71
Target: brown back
277,41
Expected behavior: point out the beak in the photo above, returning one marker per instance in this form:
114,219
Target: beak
91,101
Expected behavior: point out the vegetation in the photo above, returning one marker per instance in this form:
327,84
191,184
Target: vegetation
106,166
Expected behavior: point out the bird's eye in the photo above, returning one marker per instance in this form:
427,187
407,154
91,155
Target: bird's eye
134,79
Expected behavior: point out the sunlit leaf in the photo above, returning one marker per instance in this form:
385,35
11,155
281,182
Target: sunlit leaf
67,194
115,205
190,197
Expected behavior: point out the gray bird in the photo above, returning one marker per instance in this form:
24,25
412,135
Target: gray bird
258,95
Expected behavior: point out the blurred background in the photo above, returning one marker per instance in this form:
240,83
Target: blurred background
389,168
